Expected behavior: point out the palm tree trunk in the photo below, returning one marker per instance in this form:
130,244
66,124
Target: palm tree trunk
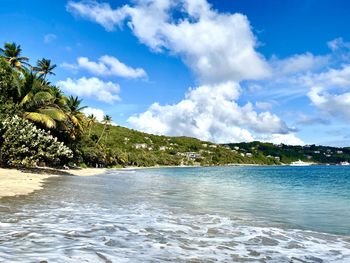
90,130
104,128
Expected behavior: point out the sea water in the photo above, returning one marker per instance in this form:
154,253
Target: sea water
218,214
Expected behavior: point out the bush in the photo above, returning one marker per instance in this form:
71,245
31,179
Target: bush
26,145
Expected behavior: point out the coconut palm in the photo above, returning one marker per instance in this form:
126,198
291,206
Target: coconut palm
75,115
12,53
107,120
39,102
91,120
44,67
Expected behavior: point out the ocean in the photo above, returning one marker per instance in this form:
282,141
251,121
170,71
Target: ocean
215,214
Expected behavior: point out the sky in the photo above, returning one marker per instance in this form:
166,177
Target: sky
222,71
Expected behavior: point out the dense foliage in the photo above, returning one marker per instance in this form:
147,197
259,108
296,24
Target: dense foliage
26,94
26,145
287,153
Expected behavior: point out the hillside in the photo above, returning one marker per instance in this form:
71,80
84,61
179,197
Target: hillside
287,154
126,147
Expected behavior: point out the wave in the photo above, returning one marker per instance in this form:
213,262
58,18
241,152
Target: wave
69,232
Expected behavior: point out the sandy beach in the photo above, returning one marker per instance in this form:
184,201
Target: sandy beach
15,182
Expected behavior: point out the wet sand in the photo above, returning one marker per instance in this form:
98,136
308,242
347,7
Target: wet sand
15,182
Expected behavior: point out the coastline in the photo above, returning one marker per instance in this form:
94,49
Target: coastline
14,182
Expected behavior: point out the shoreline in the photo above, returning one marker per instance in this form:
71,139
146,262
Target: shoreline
14,182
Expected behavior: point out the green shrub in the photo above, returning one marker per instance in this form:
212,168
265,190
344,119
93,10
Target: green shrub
26,145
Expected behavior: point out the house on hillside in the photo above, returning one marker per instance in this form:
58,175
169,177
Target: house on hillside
141,146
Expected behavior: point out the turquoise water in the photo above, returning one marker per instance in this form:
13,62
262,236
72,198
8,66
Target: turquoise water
219,214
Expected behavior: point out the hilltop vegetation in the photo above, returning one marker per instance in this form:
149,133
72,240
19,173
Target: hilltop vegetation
287,153
128,147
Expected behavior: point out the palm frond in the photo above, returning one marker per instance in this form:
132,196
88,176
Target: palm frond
44,119
54,113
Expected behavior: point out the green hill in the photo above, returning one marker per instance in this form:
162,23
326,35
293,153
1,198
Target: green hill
287,153
121,146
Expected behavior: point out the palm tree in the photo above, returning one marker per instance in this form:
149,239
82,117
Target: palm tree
44,67
106,121
40,103
12,53
75,115
91,120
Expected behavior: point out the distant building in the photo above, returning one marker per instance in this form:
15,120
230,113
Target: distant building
163,148
339,152
249,154
141,146
316,151
236,148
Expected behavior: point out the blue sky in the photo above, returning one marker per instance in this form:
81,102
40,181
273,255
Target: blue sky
223,71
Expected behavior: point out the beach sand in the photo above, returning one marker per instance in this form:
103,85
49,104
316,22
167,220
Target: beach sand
15,182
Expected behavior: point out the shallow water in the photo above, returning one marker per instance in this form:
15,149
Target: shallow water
229,214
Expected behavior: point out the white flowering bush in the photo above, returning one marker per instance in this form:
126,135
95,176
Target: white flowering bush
22,143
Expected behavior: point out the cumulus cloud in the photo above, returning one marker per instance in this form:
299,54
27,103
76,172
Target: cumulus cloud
329,91
110,66
332,78
49,38
97,112
106,66
289,139
216,46
337,105
210,113
92,87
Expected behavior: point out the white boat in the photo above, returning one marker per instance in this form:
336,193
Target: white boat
299,163
345,163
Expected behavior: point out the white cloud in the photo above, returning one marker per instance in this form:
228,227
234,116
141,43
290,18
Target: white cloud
97,112
49,38
337,105
263,105
337,44
110,66
289,139
101,13
92,87
106,66
332,78
299,63
210,113
217,47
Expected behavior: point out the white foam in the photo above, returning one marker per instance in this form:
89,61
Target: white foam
141,233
